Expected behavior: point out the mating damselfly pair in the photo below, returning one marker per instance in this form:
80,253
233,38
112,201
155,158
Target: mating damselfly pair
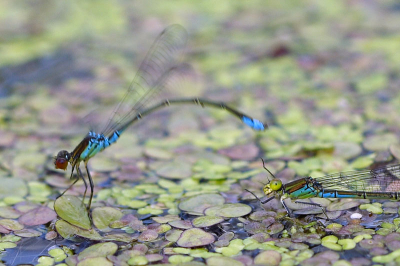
378,183
154,73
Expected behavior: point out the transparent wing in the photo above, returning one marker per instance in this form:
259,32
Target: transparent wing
383,179
160,61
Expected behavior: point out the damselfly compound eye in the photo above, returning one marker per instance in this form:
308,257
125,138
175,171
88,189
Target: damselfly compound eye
276,184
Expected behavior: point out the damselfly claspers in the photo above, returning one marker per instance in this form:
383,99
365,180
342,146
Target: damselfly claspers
378,183
153,74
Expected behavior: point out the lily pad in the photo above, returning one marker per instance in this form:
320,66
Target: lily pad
175,170
165,219
229,210
195,237
173,235
347,150
11,224
5,245
103,216
268,258
148,235
72,210
216,261
206,221
181,224
380,142
12,187
343,204
9,212
197,204
157,153
38,216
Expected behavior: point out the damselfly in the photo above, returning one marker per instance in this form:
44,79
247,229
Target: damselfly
378,183
153,74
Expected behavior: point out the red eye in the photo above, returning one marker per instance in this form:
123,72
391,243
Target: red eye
61,163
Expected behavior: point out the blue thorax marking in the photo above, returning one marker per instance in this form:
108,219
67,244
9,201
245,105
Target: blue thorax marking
97,143
304,193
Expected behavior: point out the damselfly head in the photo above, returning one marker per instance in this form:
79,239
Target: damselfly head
273,186
62,159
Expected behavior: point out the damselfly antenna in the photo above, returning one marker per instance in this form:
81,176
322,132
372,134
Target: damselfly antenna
267,169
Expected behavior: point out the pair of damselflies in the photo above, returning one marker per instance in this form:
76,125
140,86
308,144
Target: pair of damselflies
378,183
154,73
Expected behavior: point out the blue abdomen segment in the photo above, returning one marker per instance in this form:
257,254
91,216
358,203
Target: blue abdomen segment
340,195
253,123
97,143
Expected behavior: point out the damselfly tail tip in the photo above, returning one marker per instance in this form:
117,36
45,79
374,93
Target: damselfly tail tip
254,123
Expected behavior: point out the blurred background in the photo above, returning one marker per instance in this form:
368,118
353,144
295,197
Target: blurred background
324,75
320,70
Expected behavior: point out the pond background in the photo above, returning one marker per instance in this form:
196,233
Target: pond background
322,74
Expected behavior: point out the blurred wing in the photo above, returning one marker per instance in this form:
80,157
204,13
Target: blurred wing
383,179
160,61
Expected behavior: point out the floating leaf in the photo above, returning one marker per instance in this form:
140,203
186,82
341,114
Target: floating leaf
103,216
11,224
98,250
148,235
343,204
175,170
181,224
27,233
68,231
12,187
165,219
197,204
72,210
268,258
216,261
157,153
173,235
206,221
38,216
380,142
229,210
5,245
9,212
119,237
195,237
